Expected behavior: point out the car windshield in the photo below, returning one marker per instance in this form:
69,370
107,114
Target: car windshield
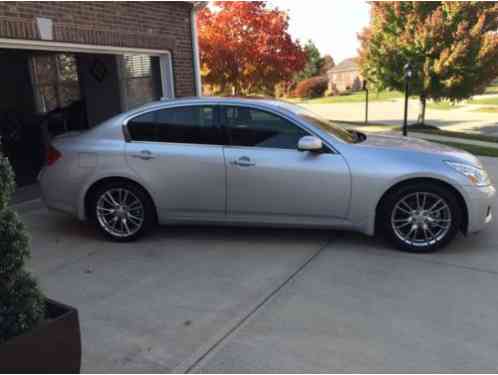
322,123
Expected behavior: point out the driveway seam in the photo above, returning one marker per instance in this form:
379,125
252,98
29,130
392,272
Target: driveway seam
201,354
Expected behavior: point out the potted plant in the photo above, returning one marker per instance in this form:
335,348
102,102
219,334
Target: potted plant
36,334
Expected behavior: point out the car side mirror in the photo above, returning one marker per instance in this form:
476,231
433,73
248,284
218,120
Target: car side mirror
310,143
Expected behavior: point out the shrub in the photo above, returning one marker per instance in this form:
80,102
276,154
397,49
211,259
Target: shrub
22,305
311,88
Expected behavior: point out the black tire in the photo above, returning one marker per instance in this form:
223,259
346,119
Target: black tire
409,191
148,212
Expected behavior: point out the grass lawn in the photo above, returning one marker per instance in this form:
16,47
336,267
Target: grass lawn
391,95
443,105
473,149
355,98
487,101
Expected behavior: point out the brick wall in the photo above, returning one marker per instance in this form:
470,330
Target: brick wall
156,25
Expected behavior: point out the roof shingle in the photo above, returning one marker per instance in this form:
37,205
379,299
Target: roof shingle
345,66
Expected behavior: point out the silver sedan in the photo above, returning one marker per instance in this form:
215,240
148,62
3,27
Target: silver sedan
263,162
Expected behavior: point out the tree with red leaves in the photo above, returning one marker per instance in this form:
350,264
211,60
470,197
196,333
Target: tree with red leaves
245,48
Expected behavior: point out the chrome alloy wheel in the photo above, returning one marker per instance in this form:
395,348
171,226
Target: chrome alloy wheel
120,212
421,219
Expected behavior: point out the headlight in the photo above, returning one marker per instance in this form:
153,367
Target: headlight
476,176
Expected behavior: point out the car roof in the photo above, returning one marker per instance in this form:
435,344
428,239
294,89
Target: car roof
215,100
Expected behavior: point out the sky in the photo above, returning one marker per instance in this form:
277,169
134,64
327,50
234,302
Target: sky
331,24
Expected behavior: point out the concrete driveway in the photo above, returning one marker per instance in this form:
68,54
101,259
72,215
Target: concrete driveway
228,299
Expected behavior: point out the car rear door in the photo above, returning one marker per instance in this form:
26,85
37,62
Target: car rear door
178,153
268,179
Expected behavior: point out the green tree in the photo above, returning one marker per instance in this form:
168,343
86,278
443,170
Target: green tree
452,46
327,64
22,306
314,62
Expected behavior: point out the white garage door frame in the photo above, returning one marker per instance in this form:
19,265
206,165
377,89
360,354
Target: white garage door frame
165,56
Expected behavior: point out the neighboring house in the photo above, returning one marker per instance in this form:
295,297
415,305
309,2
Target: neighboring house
345,76
90,59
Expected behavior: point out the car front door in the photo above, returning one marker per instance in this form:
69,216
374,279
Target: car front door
268,179
178,152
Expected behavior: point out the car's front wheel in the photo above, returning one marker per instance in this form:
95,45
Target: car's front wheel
422,217
122,211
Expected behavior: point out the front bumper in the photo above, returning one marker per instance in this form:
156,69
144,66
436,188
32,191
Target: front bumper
481,205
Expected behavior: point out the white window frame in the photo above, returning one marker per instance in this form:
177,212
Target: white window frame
58,83
166,76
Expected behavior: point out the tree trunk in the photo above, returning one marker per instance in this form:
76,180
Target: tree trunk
236,90
421,116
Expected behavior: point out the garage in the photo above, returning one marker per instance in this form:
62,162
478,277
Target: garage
47,93
67,67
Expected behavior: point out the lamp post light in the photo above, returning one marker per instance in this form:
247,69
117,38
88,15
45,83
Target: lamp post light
408,73
366,101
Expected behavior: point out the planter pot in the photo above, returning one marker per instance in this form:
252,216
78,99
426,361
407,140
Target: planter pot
52,347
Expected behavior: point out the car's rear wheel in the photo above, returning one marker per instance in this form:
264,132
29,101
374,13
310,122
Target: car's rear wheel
122,211
422,217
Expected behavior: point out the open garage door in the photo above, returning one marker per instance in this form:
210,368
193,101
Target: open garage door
48,92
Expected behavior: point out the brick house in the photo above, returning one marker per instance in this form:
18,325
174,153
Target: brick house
345,76
70,65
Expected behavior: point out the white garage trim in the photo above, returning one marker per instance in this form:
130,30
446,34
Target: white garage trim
167,76
195,46
74,47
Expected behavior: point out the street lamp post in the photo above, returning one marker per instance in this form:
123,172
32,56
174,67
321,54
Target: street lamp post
408,72
366,101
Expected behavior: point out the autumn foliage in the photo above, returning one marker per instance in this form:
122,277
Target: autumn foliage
245,48
312,87
453,47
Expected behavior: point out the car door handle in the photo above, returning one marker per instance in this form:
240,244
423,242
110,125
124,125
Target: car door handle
144,155
243,161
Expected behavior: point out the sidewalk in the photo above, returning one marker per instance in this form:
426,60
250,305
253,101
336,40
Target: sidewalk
464,118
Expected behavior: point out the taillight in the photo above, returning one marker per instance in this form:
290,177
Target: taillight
52,155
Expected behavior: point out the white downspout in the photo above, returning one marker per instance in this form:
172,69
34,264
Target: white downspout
195,47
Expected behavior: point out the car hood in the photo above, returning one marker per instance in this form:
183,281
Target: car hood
419,145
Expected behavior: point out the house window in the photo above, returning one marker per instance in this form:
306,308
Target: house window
138,83
55,81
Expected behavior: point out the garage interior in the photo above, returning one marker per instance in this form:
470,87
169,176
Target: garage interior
46,93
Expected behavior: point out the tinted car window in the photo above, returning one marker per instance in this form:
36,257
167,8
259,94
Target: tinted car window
177,125
142,128
252,127
188,125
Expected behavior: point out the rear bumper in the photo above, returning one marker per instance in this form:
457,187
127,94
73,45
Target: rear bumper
481,206
53,195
